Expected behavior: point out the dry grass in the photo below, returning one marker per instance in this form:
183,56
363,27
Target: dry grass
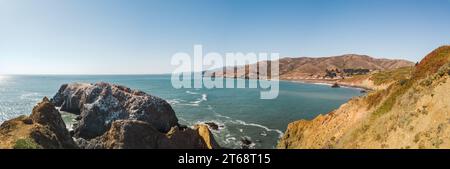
432,62
392,76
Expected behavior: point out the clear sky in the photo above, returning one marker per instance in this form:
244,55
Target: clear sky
140,36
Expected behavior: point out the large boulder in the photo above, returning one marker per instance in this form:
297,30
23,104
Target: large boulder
44,128
133,134
100,104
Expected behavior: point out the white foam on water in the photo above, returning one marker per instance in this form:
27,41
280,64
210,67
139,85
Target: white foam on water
263,134
2,117
323,84
230,139
181,102
194,93
260,126
175,101
219,115
190,104
200,100
218,123
30,96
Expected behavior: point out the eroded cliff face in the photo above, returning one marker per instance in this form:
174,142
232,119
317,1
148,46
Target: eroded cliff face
409,113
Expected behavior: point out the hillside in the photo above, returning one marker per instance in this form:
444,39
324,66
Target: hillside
377,80
324,68
413,111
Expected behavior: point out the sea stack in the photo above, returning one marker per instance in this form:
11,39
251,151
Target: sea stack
335,85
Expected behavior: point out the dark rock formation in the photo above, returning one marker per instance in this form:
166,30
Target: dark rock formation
212,125
335,85
102,103
199,137
116,117
44,128
246,142
133,134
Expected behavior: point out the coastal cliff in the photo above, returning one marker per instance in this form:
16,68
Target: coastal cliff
109,117
412,111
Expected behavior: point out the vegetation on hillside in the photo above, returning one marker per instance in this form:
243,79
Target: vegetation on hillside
26,143
432,64
386,77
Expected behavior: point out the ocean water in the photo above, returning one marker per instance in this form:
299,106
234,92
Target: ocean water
238,112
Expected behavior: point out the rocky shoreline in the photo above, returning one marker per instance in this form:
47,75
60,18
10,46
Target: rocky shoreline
108,117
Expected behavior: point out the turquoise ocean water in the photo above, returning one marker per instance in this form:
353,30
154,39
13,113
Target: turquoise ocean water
239,112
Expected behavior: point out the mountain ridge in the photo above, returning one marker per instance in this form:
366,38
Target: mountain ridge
312,68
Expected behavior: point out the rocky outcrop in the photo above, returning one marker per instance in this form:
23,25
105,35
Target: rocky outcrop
116,117
133,134
44,128
412,112
101,104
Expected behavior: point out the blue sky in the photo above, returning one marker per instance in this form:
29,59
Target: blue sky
140,36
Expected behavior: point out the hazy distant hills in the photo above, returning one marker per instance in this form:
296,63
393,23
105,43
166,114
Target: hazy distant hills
317,68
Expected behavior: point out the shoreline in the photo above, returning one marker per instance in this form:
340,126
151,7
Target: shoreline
316,82
328,83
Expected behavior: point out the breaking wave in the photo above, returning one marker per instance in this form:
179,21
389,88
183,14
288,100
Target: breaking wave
258,125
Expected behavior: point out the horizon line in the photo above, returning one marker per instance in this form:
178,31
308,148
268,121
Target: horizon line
83,74
168,73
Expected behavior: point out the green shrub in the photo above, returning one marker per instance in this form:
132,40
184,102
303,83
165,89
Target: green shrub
385,77
444,69
427,82
403,82
26,144
387,105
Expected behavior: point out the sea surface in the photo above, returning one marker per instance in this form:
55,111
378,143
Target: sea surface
239,112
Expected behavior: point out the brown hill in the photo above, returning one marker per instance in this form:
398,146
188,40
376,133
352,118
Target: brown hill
302,68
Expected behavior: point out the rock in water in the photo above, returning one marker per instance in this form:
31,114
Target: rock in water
212,125
44,128
335,85
246,142
101,104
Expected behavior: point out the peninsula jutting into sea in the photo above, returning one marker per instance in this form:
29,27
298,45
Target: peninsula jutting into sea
119,75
